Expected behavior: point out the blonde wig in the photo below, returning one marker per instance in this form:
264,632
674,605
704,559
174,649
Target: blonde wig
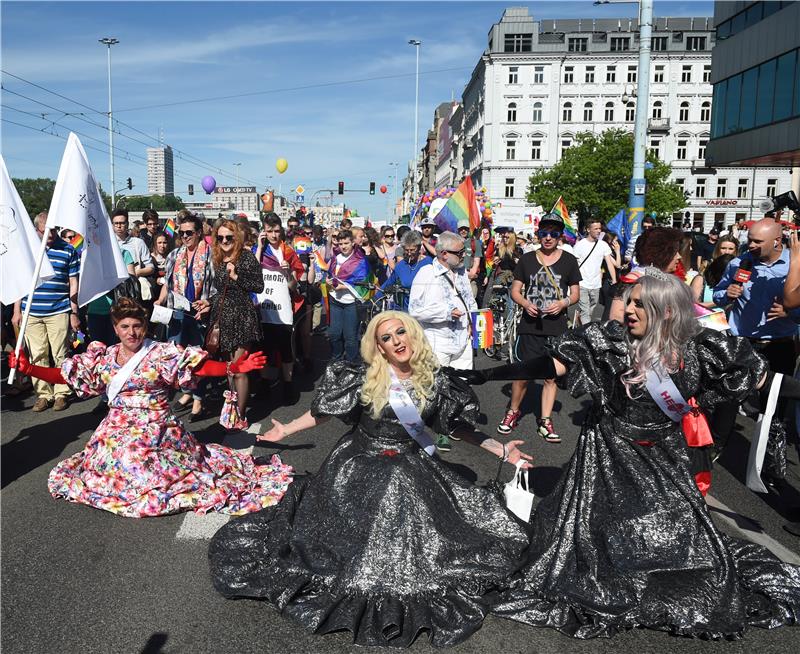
375,391
671,324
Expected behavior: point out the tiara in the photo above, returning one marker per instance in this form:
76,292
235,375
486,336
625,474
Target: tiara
651,271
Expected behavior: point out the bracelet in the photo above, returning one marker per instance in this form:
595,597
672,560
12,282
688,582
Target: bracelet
505,452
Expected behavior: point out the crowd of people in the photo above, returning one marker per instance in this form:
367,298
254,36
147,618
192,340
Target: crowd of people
410,545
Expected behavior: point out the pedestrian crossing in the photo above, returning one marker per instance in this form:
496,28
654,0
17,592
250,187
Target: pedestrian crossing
202,527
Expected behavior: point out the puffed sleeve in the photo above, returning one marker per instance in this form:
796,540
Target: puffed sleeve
177,363
594,356
457,405
729,367
339,392
82,372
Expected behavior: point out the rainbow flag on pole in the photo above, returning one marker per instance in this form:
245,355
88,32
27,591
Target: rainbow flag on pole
482,328
169,228
461,209
560,209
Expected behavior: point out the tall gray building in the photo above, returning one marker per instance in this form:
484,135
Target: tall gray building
755,72
160,177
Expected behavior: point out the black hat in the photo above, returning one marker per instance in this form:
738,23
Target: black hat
552,218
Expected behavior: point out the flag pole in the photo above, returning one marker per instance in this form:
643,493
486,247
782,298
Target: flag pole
26,314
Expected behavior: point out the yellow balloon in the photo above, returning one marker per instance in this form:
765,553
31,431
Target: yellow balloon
281,164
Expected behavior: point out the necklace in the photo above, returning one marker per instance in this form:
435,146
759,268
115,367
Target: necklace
122,360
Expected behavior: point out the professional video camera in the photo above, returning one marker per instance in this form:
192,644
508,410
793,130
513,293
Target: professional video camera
786,200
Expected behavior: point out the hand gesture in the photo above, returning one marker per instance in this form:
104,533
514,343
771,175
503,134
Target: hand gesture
794,244
515,454
776,311
231,268
248,362
277,433
22,363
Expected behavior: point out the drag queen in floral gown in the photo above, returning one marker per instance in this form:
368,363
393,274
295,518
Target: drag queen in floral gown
385,541
141,461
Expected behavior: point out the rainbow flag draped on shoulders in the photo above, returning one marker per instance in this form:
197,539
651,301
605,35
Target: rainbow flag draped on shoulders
354,274
461,209
570,232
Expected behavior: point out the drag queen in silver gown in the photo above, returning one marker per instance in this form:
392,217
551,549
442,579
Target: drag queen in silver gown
625,539
385,541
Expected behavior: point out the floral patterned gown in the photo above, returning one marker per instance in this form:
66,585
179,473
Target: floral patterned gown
141,461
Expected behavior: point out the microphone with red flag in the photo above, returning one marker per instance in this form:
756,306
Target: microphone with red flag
742,275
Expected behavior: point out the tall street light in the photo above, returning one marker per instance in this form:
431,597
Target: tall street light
236,188
394,193
416,43
108,42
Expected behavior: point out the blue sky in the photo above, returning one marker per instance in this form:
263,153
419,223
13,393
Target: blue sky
177,51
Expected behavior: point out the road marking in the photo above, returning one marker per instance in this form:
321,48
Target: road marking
203,527
744,527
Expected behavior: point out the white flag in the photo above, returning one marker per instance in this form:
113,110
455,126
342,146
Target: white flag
78,205
19,244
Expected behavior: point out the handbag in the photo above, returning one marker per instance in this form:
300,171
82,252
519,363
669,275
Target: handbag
517,493
211,343
229,417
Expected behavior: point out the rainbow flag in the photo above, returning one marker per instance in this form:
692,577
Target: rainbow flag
488,257
323,287
461,209
319,258
482,328
711,318
302,244
77,242
560,209
169,228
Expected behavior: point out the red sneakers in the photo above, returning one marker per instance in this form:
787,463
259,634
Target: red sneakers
509,422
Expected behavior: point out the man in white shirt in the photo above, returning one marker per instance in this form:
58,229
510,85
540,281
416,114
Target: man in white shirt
142,260
591,252
441,300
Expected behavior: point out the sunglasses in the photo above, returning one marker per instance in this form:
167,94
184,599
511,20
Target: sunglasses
186,233
387,235
456,253
546,233
227,238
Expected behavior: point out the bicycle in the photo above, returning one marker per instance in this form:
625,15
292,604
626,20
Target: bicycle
504,320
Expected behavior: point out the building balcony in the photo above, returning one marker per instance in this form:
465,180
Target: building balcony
658,124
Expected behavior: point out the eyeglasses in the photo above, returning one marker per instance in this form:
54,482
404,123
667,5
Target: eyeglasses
119,224
388,235
227,238
456,253
186,233
546,233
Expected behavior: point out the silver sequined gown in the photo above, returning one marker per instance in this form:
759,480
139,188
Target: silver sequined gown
625,539
384,541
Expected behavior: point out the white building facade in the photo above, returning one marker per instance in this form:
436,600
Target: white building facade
160,171
541,83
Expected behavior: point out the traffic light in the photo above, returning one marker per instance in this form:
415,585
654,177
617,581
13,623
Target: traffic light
341,188
372,188
130,183
191,189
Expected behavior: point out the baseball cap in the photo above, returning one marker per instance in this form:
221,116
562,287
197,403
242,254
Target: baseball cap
427,221
552,219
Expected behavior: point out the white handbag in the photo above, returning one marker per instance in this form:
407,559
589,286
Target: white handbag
519,498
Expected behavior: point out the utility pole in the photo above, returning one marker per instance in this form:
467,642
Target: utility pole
108,42
416,43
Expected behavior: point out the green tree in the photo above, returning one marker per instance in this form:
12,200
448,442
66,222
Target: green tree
37,194
594,175
157,202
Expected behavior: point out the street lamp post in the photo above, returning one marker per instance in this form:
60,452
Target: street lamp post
108,42
236,188
394,193
416,43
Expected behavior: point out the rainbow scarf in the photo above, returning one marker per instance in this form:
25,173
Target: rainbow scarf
169,228
560,209
461,209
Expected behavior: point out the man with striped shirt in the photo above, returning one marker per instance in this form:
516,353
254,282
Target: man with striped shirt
54,310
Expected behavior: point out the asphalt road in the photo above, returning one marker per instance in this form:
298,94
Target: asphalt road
76,579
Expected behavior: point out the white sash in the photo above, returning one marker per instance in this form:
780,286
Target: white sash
758,445
123,374
408,414
663,390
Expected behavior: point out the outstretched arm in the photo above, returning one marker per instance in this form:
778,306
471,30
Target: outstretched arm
509,452
280,431
791,288
25,367
244,363
542,367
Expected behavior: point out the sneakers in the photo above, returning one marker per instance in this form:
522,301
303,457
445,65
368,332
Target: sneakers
42,404
509,422
547,431
443,443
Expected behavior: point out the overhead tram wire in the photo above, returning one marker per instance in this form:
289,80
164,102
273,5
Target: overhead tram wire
129,156
190,159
